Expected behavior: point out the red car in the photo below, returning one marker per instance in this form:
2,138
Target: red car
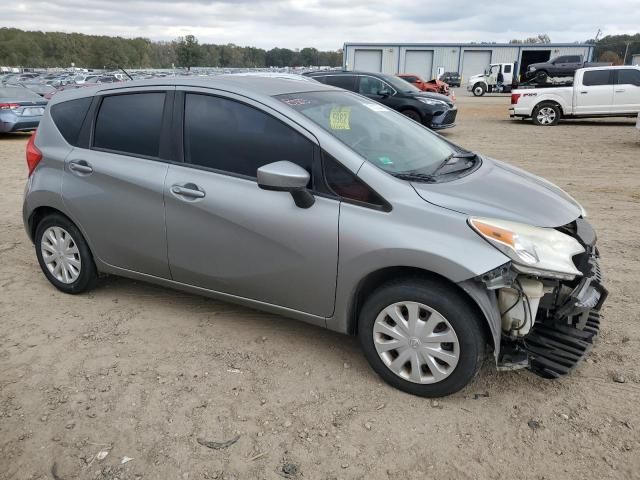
436,86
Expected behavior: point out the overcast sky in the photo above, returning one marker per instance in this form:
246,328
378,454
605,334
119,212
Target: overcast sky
327,24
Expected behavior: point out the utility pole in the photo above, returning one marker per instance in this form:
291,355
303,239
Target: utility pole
598,34
626,50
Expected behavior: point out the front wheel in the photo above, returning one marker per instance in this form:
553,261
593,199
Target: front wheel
421,337
413,115
478,90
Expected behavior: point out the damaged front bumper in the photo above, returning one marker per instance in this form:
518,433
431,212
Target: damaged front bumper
566,318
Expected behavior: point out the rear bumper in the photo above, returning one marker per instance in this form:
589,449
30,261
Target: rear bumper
444,120
14,123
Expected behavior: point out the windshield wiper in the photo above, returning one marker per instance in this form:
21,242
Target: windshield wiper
415,177
453,156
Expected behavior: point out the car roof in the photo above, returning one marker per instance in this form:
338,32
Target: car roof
250,86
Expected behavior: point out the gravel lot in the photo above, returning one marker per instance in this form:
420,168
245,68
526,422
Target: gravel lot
143,372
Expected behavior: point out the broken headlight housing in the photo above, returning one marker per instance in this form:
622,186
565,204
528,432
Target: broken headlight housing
537,251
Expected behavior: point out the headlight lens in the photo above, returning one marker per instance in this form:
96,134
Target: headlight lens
432,101
534,250
532,68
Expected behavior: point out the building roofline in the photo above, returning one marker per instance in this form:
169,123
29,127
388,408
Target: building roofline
396,44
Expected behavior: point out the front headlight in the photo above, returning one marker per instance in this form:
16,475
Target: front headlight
532,68
432,101
534,250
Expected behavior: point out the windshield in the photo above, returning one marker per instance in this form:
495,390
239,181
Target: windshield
385,138
399,84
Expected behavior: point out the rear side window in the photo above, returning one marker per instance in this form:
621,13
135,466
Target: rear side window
348,82
507,69
628,77
69,116
130,123
597,77
573,59
233,137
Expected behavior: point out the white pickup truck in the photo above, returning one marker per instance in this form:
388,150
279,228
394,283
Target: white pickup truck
595,92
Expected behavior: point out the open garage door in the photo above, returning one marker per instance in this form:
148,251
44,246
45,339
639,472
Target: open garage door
474,62
419,62
368,60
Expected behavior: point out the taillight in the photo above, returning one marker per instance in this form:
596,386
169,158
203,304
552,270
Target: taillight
33,154
9,106
514,98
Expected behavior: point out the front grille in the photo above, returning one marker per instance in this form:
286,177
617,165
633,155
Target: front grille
449,118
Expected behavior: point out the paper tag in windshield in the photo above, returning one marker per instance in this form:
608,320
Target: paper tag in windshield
339,118
376,107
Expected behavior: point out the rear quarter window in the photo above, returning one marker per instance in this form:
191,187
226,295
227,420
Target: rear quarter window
69,117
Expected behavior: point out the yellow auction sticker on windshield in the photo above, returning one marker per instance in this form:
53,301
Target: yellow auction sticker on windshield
339,118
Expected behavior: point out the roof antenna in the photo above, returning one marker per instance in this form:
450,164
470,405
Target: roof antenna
125,72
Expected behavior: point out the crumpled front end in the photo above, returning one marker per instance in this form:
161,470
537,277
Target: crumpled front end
549,325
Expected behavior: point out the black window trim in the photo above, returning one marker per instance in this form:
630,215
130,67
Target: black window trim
180,116
166,125
328,192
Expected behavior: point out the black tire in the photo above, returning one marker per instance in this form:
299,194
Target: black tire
413,115
449,303
546,114
541,76
88,276
478,90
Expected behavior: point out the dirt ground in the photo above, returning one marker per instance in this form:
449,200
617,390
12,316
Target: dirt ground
143,372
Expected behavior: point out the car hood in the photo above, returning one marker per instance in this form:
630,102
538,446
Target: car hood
479,76
436,96
499,190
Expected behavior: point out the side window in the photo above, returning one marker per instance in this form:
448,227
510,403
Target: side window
596,77
348,186
69,116
233,137
560,60
628,77
348,82
371,86
573,59
507,69
130,123
320,78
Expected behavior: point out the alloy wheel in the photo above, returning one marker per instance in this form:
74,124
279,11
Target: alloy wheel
416,342
546,115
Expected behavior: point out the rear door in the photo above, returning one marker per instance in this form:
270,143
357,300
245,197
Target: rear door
626,92
594,93
228,235
113,182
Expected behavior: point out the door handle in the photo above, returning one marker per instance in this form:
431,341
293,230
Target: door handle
619,91
584,93
81,167
189,190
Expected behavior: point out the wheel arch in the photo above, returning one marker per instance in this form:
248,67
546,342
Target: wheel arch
548,101
411,108
379,277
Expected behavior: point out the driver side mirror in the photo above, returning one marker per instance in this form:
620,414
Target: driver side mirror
285,176
384,92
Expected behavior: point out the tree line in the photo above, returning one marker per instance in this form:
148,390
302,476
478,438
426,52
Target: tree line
57,49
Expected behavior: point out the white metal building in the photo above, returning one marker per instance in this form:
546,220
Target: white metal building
635,60
430,59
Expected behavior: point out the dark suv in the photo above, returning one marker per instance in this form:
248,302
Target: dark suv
430,109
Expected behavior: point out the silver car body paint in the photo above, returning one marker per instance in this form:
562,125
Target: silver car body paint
240,243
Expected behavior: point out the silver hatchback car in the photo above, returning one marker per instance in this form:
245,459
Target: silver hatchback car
319,204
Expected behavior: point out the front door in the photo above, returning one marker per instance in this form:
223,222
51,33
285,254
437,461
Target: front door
626,91
114,189
228,235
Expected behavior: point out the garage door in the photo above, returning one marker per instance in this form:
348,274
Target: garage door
368,60
474,62
419,62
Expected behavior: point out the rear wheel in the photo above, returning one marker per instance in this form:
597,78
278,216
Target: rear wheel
478,90
413,115
546,114
64,256
421,337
